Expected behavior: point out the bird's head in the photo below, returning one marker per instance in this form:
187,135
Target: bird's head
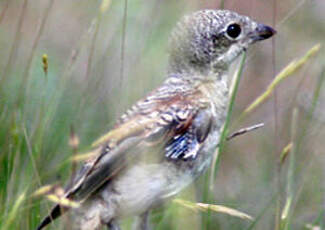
208,41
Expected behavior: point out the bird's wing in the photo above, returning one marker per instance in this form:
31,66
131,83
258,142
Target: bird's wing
179,125
176,124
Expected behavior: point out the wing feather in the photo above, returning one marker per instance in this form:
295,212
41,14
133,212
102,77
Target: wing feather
176,124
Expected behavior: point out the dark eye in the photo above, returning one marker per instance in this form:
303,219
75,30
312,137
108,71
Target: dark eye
233,30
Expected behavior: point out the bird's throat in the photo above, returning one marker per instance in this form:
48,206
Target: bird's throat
216,90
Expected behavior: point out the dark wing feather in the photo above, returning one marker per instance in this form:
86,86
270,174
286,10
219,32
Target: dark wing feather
186,142
55,213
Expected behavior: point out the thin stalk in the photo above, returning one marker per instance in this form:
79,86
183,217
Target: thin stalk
225,130
262,213
4,10
97,22
11,219
74,144
32,159
282,21
312,109
33,52
208,198
121,80
123,43
275,126
37,131
15,44
317,92
291,13
92,46
287,210
290,204
203,207
222,4
314,102
67,72
244,131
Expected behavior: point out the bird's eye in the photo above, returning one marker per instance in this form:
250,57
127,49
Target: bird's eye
233,30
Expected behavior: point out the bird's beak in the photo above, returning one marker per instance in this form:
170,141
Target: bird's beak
263,32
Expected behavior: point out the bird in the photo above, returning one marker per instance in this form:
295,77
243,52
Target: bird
167,139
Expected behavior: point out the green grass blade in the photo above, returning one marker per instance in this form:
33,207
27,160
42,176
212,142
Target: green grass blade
287,210
13,214
225,130
262,213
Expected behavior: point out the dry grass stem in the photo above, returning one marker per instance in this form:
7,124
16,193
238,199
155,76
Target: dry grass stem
244,131
46,189
286,150
63,201
45,64
289,70
215,208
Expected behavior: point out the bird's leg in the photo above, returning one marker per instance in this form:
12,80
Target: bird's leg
113,225
142,222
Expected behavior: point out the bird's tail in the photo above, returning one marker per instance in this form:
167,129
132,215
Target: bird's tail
56,212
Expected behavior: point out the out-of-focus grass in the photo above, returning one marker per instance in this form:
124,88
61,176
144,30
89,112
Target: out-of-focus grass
214,208
78,85
290,190
289,70
13,214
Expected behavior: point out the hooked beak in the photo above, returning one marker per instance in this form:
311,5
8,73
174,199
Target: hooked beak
263,32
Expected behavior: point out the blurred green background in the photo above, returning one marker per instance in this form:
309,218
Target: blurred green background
99,63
